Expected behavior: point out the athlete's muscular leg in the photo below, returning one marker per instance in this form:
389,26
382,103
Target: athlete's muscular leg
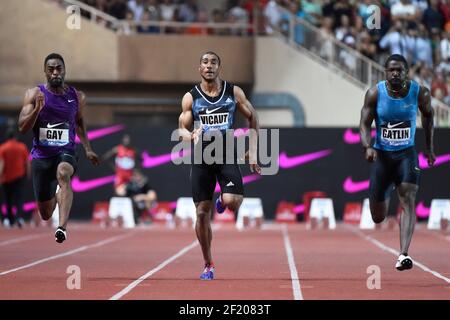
46,208
65,194
232,201
379,210
407,196
203,228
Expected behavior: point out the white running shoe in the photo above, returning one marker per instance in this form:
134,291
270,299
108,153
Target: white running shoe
60,235
404,263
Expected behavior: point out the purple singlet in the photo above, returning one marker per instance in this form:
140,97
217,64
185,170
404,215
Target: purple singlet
54,130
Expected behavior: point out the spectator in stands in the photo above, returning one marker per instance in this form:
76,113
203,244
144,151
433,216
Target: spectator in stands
118,9
342,8
444,46
347,58
422,5
444,54
432,18
272,14
422,75
217,16
395,40
202,17
313,11
137,7
299,32
238,15
440,83
365,46
140,191
167,8
444,7
405,11
14,168
149,16
188,11
128,27
423,49
325,43
343,29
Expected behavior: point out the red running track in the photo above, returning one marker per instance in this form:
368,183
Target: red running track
277,262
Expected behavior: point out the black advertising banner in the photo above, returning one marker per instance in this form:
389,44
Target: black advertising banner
310,159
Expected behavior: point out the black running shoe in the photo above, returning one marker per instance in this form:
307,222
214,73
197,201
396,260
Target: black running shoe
60,235
404,263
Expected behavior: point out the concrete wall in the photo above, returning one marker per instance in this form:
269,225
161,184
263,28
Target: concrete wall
31,29
328,99
175,58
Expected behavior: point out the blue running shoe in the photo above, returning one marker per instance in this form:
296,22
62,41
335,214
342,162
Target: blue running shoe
219,206
208,273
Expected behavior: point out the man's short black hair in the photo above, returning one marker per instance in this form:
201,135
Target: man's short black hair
54,56
211,52
396,57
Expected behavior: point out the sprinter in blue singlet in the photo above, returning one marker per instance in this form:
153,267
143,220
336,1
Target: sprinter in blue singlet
393,105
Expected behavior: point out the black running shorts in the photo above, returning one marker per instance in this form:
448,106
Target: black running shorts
44,174
204,176
392,168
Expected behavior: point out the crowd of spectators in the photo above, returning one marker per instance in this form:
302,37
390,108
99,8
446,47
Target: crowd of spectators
417,29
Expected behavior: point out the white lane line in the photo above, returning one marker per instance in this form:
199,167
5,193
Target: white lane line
396,253
135,283
132,285
68,253
294,274
21,239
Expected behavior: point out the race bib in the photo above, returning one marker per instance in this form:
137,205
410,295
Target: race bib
54,135
396,133
214,120
126,163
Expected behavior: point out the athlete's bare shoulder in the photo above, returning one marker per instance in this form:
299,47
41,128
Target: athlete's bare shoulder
372,91
32,92
186,102
370,100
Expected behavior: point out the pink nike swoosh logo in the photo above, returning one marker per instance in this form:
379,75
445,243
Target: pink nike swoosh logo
245,180
423,161
82,186
299,209
286,162
422,211
149,161
95,134
351,138
240,132
350,186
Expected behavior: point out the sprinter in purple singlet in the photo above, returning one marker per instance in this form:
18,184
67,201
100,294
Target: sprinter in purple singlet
54,111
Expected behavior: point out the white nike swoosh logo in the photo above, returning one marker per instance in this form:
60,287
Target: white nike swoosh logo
53,125
390,126
70,101
210,111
